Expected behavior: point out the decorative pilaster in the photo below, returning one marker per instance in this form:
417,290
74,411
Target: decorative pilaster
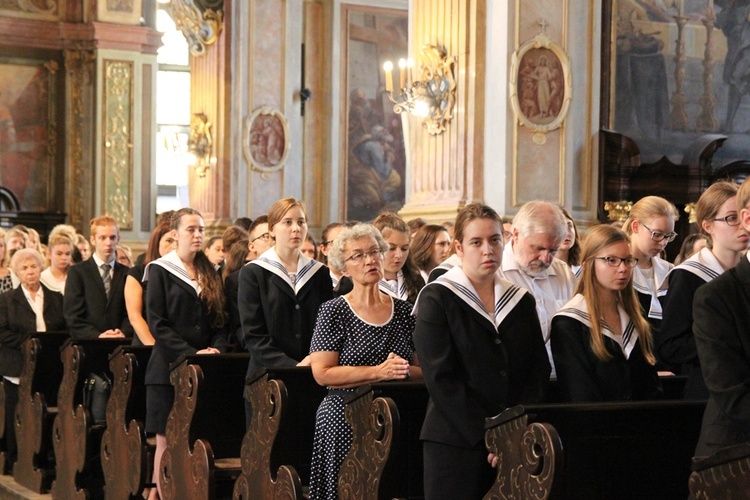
79,161
117,127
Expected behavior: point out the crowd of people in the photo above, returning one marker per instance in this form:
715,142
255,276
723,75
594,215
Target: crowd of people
485,310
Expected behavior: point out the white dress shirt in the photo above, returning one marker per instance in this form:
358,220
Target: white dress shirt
552,289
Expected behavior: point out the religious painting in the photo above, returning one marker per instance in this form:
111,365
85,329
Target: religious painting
540,84
678,69
119,11
265,141
30,9
28,130
373,140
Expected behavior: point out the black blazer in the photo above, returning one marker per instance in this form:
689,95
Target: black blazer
277,325
234,328
179,321
583,377
18,323
86,307
722,335
674,344
473,371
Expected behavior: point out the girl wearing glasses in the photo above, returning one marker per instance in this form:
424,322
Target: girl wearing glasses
481,349
717,217
361,337
280,293
650,227
601,343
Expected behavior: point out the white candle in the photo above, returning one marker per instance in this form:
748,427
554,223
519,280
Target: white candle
388,67
681,7
402,73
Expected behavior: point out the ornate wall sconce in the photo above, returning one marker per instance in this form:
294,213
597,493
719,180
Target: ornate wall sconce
618,210
200,143
201,21
432,95
690,210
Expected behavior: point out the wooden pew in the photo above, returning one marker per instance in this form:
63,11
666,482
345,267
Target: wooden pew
277,448
126,461
725,474
529,456
622,450
403,473
37,405
205,427
75,437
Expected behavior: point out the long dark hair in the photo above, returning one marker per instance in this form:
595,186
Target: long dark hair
389,221
152,251
212,291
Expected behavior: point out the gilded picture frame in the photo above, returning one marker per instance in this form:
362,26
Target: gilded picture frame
540,84
119,11
265,140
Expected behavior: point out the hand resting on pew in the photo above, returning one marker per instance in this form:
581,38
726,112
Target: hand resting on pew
305,361
209,350
112,334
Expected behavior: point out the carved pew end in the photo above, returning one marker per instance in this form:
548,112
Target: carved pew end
725,474
528,456
374,422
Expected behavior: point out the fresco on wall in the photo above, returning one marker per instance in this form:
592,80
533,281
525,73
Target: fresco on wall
373,138
667,94
27,144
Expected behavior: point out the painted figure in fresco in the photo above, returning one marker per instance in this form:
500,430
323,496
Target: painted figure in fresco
542,74
373,182
734,21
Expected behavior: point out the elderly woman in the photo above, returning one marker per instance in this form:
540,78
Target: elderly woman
30,308
359,338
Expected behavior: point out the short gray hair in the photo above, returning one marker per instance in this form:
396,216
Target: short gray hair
23,254
541,217
336,257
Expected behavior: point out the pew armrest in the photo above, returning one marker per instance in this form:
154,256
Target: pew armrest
529,455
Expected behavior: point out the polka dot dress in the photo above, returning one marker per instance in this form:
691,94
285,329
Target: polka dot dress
358,343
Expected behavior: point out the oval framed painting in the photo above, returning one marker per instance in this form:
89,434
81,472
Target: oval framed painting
265,140
540,84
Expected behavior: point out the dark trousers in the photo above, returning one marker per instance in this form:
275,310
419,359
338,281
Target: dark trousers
455,473
11,400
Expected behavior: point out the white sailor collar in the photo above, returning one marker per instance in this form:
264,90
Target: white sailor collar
451,262
577,309
306,268
661,269
174,265
507,295
703,264
395,289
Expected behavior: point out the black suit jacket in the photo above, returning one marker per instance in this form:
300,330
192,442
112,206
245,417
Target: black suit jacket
18,323
277,325
472,370
179,321
86,307
722,334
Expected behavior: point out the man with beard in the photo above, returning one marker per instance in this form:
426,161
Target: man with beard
529,261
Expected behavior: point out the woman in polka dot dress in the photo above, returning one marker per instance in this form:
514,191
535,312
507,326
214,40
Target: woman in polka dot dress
361,337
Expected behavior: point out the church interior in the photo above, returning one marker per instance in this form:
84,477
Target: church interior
130,108
133,107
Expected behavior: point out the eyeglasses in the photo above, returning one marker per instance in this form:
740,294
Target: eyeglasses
263,237
731,220
630,262
376,254
658,235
